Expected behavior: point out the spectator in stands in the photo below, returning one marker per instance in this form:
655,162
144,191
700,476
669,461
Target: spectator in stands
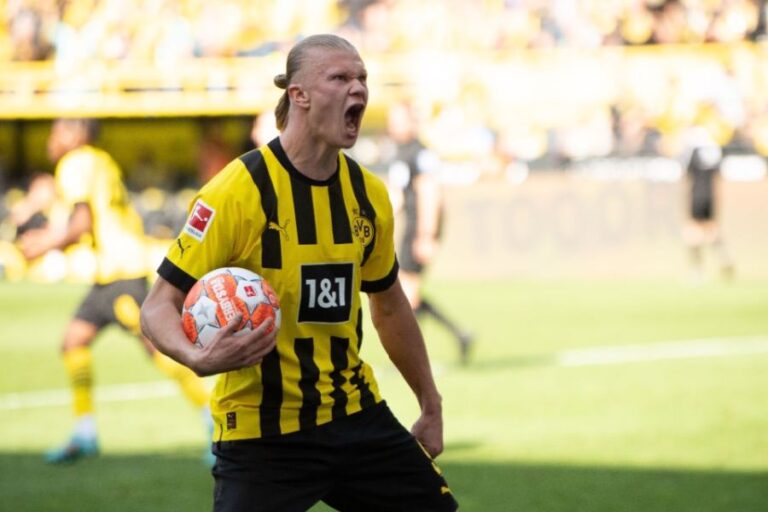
27,37
263,129
214,150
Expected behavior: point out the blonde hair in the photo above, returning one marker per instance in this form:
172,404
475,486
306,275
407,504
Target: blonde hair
293,64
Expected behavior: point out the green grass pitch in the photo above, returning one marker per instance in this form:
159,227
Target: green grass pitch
588,396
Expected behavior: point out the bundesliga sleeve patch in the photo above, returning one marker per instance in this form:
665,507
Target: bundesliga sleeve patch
199,220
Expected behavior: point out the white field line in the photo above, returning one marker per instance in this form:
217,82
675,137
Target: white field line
688,349
113,393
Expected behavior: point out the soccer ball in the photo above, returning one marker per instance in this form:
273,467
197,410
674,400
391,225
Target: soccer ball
219,296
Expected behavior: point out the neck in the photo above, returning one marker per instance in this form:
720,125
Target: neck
311,157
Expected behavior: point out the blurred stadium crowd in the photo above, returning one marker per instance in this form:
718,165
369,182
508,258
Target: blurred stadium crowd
157,29
504,87
638,72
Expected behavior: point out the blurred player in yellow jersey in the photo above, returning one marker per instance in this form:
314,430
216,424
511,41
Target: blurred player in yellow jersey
90,183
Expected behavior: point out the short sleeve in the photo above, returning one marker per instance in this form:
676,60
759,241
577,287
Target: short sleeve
74,177
380,270
210,235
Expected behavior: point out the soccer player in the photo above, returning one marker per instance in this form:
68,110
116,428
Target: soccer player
299,417
89,181
412,174
703,229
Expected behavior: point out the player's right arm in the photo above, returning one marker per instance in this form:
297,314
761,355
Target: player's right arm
36,242
161,324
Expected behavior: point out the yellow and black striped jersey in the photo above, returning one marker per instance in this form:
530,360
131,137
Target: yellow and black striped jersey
319,244
89,175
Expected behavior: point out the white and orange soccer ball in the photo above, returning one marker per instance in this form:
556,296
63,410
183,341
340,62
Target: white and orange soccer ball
220,295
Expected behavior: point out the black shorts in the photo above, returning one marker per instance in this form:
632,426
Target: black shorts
118,303
406,259
702,208
364,462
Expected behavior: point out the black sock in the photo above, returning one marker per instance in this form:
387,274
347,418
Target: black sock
427,308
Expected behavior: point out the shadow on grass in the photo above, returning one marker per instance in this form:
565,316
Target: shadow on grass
180,482
507,363
116,483
555,488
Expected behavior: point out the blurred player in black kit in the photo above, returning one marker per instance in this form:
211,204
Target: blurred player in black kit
412,174
703,176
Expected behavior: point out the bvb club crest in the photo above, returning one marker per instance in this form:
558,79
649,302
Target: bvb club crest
362,228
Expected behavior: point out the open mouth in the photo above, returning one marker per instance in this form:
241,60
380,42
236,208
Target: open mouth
353,116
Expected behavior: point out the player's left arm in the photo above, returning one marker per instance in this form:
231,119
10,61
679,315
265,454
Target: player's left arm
402,339
36,242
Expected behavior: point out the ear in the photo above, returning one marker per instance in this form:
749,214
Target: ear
298,96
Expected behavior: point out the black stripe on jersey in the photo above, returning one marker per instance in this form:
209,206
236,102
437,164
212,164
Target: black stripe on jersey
339,359
310,374
175,276
342,231
359,329
381,284
366,397
271,394
366,209
271,252
304,209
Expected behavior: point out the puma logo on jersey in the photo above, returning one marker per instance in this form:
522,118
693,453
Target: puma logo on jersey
444,490
283,230
181,247
199,220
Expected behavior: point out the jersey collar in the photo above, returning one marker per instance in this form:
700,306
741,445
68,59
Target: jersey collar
279,152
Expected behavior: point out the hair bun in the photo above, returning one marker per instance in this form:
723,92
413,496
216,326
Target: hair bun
281,81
